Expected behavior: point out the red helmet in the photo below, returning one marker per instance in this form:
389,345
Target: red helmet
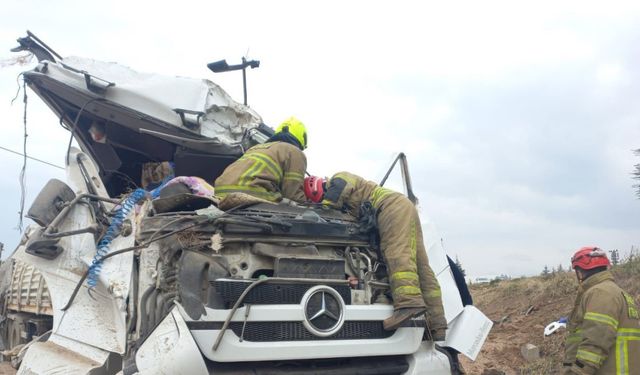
589,257
314,188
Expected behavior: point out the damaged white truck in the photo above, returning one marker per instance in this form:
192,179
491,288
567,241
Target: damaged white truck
164,282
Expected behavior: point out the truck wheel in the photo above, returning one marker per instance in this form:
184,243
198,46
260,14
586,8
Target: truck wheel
12,335
15,327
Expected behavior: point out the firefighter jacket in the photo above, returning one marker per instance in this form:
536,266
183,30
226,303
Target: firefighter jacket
603,335
348,192
413,283
270,171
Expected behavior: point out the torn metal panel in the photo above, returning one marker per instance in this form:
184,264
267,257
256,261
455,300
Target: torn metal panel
60,355
218,117
98,321
170,350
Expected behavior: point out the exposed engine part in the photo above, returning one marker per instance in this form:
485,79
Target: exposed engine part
195,272
309,268
359,262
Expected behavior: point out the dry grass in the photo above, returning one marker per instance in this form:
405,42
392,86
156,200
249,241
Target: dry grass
554,286
627,276
561,284
546,299
544,365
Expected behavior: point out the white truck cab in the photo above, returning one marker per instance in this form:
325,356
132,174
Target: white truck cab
167,283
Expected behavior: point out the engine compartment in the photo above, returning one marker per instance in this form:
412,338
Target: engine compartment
212,264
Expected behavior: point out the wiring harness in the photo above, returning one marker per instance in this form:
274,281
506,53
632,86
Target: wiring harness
112,232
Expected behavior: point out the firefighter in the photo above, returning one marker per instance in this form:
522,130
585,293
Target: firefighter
414,287
273,170
603,335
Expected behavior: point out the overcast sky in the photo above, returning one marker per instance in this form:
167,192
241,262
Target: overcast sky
519,121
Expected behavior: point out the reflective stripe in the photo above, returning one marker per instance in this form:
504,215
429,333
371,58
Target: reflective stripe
625,357
574,339
249,175
590,357
271,164
240,188
326,202
243,177
404,275
413,241
574,336
621,358
223,190
622,351
601,318
294,176
378,194
631,304
273,167
622,348
434,293
407,290
629,333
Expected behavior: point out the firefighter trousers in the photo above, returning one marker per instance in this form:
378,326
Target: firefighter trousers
413,283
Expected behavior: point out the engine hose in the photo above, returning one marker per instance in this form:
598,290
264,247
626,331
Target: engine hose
133,306
150,318
112,232
162,304
143,310
158,309
167,304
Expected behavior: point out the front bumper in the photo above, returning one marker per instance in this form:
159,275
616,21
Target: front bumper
404,341
173,349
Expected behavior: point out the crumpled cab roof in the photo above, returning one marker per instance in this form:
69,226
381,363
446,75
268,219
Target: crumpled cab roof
124,118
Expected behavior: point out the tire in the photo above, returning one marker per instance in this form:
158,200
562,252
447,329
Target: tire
15,327
12,335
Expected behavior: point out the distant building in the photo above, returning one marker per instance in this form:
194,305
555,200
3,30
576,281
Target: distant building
488,279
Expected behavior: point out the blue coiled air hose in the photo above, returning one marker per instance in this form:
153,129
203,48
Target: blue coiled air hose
112,232
155,193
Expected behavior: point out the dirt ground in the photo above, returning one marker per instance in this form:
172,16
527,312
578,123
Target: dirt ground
520,309
6,369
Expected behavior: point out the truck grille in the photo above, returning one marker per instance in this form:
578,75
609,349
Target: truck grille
270,294
295,331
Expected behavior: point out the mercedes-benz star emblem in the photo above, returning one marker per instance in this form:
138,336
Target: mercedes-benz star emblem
323,311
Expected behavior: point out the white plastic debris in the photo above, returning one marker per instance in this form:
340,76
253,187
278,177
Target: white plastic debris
554,326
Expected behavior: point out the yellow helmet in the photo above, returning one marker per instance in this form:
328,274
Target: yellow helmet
296,128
